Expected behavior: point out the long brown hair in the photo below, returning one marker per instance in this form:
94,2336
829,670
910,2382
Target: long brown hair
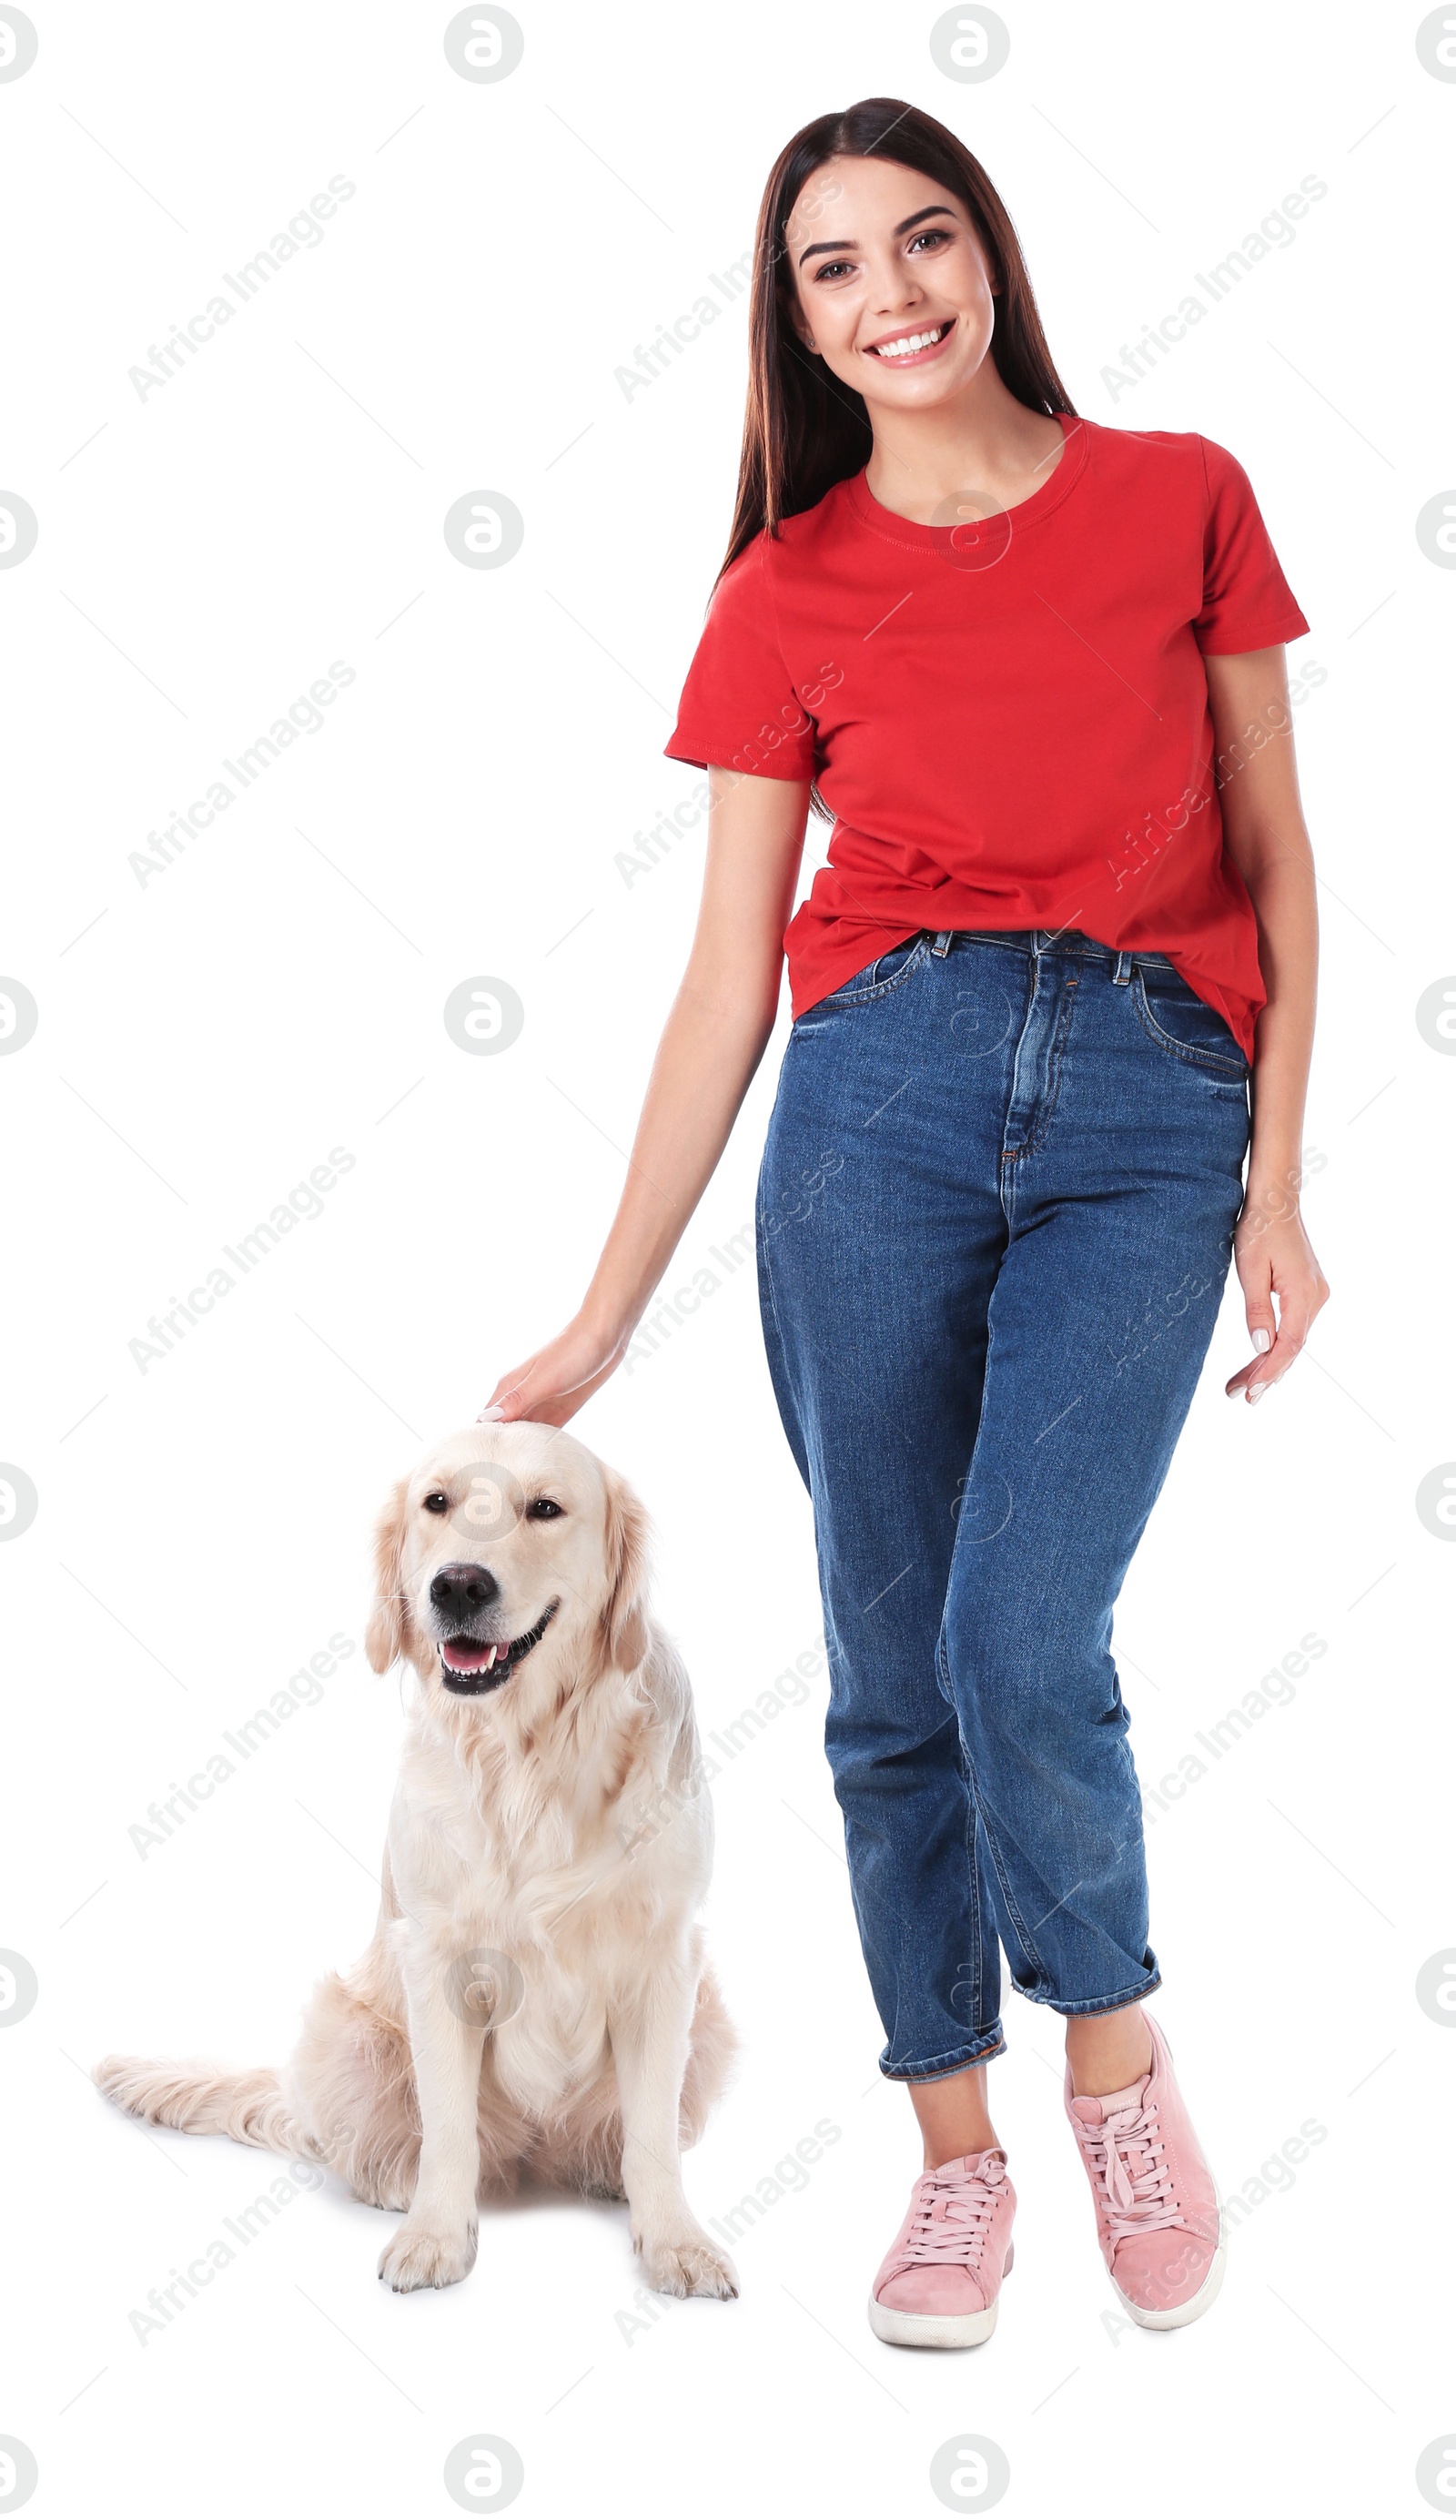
804,430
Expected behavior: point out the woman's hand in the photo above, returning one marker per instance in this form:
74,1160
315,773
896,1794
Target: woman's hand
1273,1257
713,1039
550,1386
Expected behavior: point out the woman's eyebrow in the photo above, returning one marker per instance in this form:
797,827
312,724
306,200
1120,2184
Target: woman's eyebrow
847,244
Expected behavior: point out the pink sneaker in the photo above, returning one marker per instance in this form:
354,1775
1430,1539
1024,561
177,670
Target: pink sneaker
941,2281
1158,2218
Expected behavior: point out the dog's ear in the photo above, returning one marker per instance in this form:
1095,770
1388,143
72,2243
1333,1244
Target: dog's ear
388,1634
625,1624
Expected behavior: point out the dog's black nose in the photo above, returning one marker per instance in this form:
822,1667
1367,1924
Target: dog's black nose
462,1590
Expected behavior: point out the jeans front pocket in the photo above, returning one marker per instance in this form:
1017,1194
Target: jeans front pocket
887,972
1178,1020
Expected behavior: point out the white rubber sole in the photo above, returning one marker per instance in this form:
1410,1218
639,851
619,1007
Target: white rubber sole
918,2327
1196,2305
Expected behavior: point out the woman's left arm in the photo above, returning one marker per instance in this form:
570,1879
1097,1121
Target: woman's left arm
1264,833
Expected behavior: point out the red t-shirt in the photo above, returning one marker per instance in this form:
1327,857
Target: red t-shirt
1008,719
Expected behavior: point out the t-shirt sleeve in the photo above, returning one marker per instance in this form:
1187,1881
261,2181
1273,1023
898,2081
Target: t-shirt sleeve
738,705
1247,598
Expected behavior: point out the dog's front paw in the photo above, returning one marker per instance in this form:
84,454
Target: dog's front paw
418,2257
687,2263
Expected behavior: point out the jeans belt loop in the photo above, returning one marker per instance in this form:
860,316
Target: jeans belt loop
943,941
1122,969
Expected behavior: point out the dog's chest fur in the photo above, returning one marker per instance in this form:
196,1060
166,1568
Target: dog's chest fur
559,1887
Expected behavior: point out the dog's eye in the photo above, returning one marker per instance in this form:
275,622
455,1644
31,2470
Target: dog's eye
542,1509
437,1502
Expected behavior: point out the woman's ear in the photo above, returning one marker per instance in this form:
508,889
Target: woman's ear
624,1616
389,1634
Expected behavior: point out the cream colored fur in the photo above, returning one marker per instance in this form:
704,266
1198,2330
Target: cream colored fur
536,1998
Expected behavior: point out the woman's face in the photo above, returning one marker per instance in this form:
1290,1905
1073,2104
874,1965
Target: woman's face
894,288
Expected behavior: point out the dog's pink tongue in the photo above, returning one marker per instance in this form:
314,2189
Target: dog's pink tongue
466,1657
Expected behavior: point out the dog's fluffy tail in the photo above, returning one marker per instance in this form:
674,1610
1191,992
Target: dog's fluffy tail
203,2099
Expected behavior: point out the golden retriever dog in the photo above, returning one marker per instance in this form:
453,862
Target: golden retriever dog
536,1998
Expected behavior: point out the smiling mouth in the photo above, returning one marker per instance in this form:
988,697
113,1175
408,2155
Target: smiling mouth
916,343
471,1668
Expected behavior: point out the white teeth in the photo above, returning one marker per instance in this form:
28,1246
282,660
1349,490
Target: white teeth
912,343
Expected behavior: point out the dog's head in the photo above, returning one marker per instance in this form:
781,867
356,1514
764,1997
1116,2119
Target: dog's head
503,1537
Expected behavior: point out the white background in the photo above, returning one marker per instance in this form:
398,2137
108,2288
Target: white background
205,1038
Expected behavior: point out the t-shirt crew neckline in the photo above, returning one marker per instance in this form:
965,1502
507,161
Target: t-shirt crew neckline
892,528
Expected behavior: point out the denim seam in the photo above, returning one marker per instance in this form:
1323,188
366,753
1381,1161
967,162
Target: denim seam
760,1240
1096,2003
1006,1891
972,1877
1022,1930
973,1869
977,1807
931,2069
769,1314
1225,1070
1015,1154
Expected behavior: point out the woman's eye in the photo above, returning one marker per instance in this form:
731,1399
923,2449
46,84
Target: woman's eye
929,235
542,1509
831,270
438,1502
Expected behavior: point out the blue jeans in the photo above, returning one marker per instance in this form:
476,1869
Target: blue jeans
994,1221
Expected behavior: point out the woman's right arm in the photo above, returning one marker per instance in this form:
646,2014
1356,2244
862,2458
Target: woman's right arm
713,1039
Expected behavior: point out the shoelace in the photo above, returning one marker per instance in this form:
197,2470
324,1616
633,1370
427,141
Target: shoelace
1135,2183
953,2215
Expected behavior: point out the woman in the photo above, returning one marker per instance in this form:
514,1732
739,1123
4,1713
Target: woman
1068,918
